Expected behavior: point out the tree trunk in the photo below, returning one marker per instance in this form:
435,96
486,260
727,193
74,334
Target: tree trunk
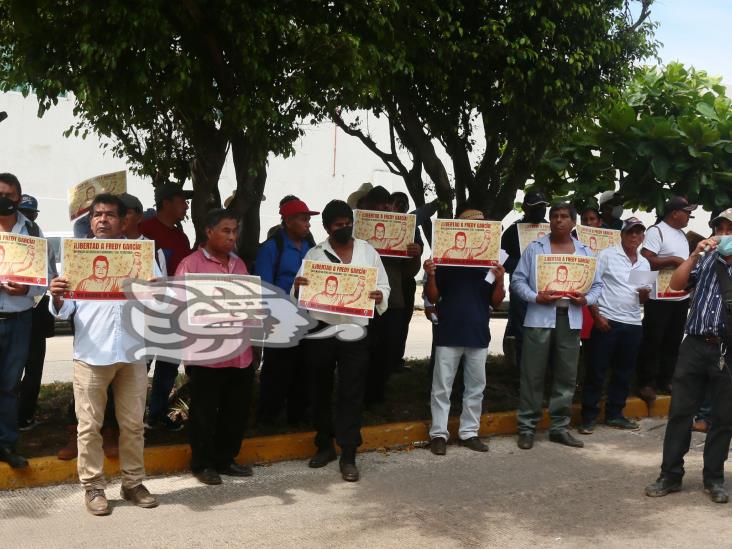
250,165
211,149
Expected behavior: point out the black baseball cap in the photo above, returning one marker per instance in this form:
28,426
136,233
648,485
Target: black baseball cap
131,201
676,203
166,191
535,198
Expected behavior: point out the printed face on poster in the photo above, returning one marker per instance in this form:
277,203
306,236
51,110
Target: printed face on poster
80,196
597,239
663,286
388,232
338,288
97,269
528,232
564,274
466,242
23,259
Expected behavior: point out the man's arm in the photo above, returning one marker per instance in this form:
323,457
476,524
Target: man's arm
680,278
264,265
521,276
658,263
430,285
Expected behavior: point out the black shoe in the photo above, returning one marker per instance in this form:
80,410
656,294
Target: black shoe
565,438
208,476
663,486
235,470
349,471
717,492
475,444
15,460
438,446
27,424
322,458
526,441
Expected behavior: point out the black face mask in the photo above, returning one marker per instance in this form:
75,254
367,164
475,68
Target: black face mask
7,206
342,235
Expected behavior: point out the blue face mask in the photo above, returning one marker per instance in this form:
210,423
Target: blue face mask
725,246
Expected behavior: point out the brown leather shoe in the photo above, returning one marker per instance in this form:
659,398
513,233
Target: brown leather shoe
647,393
69,451
438,446
110,442
140,496
96,502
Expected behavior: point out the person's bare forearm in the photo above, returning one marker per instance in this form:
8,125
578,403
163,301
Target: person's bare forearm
680,278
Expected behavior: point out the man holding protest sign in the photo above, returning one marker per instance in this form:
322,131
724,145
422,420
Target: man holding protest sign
552,326
463,296
16,304
103,356
350,357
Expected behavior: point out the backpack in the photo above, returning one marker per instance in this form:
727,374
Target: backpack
279,241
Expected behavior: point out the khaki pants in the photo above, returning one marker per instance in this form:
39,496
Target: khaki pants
129,384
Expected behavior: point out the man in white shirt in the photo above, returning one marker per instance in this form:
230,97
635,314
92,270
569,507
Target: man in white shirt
103,356
665,247
617,331
350,358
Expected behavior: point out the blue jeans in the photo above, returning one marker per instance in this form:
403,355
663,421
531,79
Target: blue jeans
163,382
619,347
14,345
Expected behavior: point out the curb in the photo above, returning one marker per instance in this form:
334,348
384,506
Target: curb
161,460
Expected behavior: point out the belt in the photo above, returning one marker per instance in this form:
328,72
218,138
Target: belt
710,339
562,311
7,316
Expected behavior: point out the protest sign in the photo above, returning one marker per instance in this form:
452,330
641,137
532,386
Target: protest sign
388,232
23,259
564,274
80,196
597,239
338,288
466,242
528,232
663,286
97,268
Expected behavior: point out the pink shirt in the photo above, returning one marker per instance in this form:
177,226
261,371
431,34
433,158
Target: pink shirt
201,261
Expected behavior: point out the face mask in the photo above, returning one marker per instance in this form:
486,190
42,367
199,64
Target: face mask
343,234
617,212
7,206
725,246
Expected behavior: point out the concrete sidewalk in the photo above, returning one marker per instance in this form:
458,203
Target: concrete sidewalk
551,496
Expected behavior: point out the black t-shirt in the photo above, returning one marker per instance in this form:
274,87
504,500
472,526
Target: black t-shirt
463,311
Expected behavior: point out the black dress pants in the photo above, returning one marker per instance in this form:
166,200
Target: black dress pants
385,333
350,360
663,329
697,369
283,383
219,409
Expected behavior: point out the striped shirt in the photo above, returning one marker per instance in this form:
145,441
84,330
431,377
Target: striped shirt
706,316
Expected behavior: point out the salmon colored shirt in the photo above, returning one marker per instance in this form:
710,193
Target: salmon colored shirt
201,262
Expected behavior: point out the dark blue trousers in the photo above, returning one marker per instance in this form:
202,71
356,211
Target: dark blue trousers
14,345
618,349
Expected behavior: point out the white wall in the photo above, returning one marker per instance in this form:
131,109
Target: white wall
47,164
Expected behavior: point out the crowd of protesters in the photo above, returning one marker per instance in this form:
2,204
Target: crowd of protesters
623,332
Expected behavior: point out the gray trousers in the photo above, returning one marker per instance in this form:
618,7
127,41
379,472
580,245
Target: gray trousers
563,343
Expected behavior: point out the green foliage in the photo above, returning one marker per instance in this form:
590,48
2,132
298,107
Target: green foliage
492,83
669,133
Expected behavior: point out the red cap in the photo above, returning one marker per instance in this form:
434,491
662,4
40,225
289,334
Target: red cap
294,207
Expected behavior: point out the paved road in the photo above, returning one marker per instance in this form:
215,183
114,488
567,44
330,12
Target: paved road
551,496
58,366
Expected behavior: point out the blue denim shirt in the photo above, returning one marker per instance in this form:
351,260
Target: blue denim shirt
523,282
19,303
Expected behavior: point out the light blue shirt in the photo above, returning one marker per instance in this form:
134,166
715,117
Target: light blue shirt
523,282
19,303
101,336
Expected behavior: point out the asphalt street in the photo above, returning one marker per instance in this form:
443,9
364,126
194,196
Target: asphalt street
551,496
